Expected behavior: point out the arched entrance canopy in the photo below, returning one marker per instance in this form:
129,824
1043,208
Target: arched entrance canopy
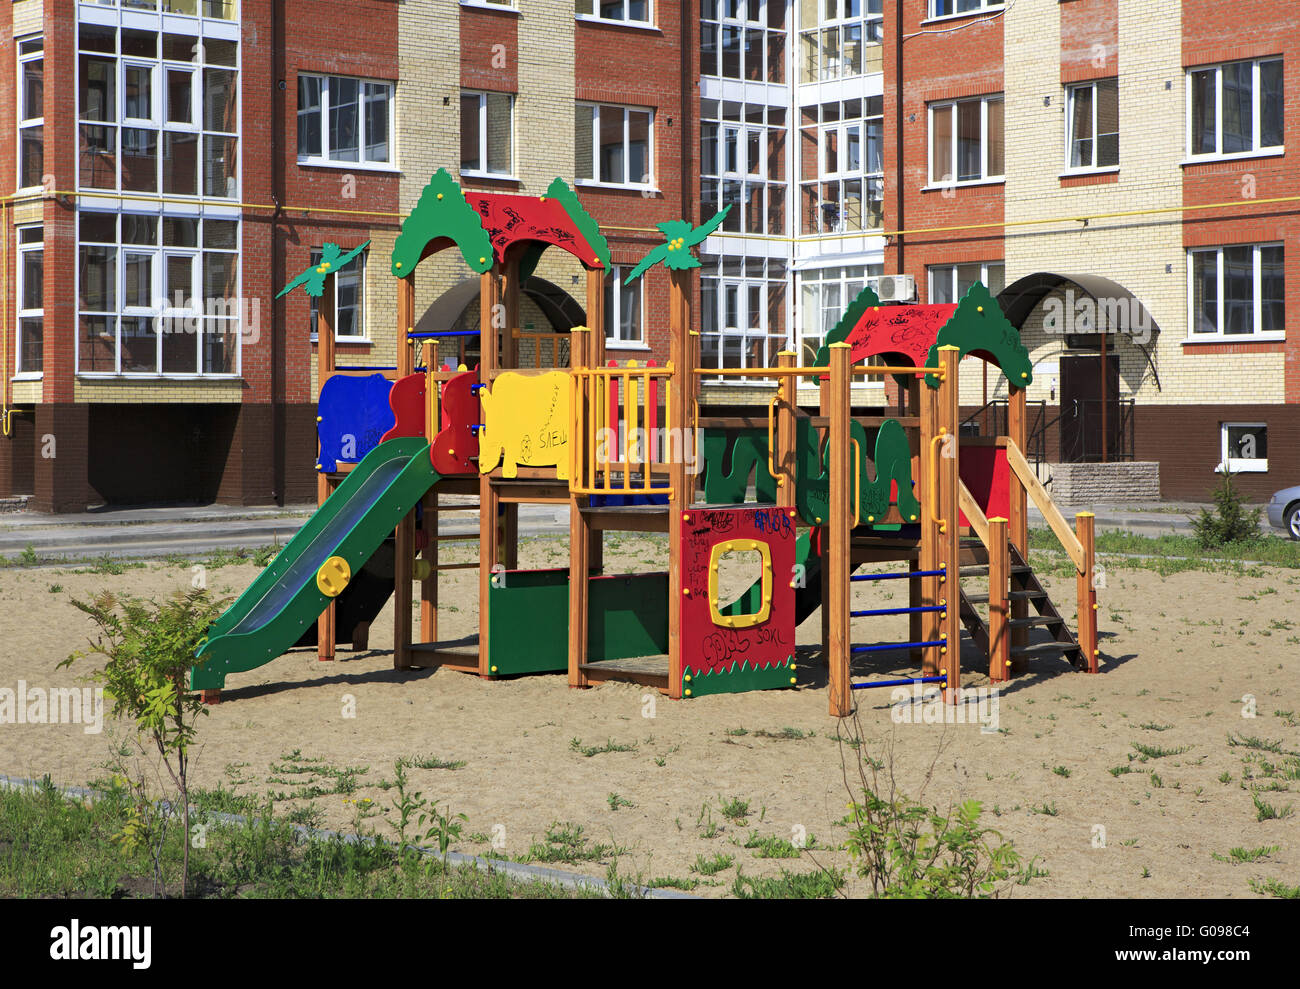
1117,308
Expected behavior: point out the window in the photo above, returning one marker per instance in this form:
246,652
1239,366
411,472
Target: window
738,41
1092,122
844,42
742,313
31,302
486,133
342,120
949,282
1237,291
623,309
158,295
1235,108
226,10
628,11
824,294
158,113
949,8
1243,446
31,112
349,299
966,141
848,191
614,144
742,163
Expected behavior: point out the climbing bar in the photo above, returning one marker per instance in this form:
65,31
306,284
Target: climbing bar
792,372
889,647
427,334
474,427
475,389
873,612
899,683
899,576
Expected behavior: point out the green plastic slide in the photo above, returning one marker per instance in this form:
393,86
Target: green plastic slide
270,616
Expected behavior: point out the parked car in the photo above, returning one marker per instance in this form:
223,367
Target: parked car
1284,511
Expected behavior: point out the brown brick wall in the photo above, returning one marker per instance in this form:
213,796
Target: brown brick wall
481,32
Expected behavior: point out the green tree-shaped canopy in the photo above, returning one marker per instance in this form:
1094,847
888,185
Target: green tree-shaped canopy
442,212
680,237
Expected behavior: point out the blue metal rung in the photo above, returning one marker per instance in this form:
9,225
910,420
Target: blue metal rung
428,334
476,426
872,612
899,576
887,647
898,683
475,389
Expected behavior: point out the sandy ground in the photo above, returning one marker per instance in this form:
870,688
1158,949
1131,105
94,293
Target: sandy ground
1179,654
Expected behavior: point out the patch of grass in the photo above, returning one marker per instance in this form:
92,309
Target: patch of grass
615,801
713,865
672,882
1152,726
567,843
1049,809
593,750
1275,887
771,847
734,810
1061,771
1158,751
1264,811
785,734
1121,770
313,778
1241,855
56,588
817,885
432,762
1254,742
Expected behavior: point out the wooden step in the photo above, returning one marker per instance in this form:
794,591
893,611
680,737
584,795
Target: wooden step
650,671
978,571
1014,596
1043,649
1036,621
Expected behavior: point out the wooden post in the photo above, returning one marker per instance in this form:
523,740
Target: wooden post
579,532
931,589
1084,525
824,407
326,625
783,456
949,543
1018,514
595,357
999,613
837,533
682,484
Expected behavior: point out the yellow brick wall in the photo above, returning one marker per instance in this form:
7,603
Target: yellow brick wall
138,392
28,17
1133,251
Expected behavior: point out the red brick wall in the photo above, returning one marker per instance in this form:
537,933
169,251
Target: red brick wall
481,31
1086,24
936,66
636,67
1274,30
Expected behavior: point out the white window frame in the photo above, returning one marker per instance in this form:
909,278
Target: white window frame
626,21
1257,290
33,247
160,308
324,159
950,106
595,180
1071,92
614,318
1239,465
1256,150
950,269
362,314
981,7
29,123
482,95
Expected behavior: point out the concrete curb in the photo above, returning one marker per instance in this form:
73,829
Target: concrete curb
515,870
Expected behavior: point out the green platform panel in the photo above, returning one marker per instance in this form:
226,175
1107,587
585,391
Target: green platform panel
528,619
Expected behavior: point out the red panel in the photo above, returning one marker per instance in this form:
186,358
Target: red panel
707,647
407,401
985,472
456,445
510,219
907,330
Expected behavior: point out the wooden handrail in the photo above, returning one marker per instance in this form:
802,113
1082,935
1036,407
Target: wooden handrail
974,514
1064,534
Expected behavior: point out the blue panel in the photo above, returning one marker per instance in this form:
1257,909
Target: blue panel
354,414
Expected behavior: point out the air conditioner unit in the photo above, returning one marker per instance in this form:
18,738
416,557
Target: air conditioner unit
894,288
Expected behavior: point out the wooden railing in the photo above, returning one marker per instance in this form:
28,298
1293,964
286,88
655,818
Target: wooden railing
599,395
1038,494
559,355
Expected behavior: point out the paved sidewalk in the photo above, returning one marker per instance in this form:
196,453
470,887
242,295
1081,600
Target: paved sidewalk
156,532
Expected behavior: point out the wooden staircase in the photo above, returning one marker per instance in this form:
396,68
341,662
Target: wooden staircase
1026,588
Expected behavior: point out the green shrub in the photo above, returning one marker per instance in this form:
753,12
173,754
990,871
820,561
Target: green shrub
1230,522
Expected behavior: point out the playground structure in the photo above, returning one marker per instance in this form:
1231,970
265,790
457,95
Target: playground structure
834,491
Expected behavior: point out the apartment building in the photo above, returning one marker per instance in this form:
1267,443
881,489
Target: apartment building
1118,171
205,152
